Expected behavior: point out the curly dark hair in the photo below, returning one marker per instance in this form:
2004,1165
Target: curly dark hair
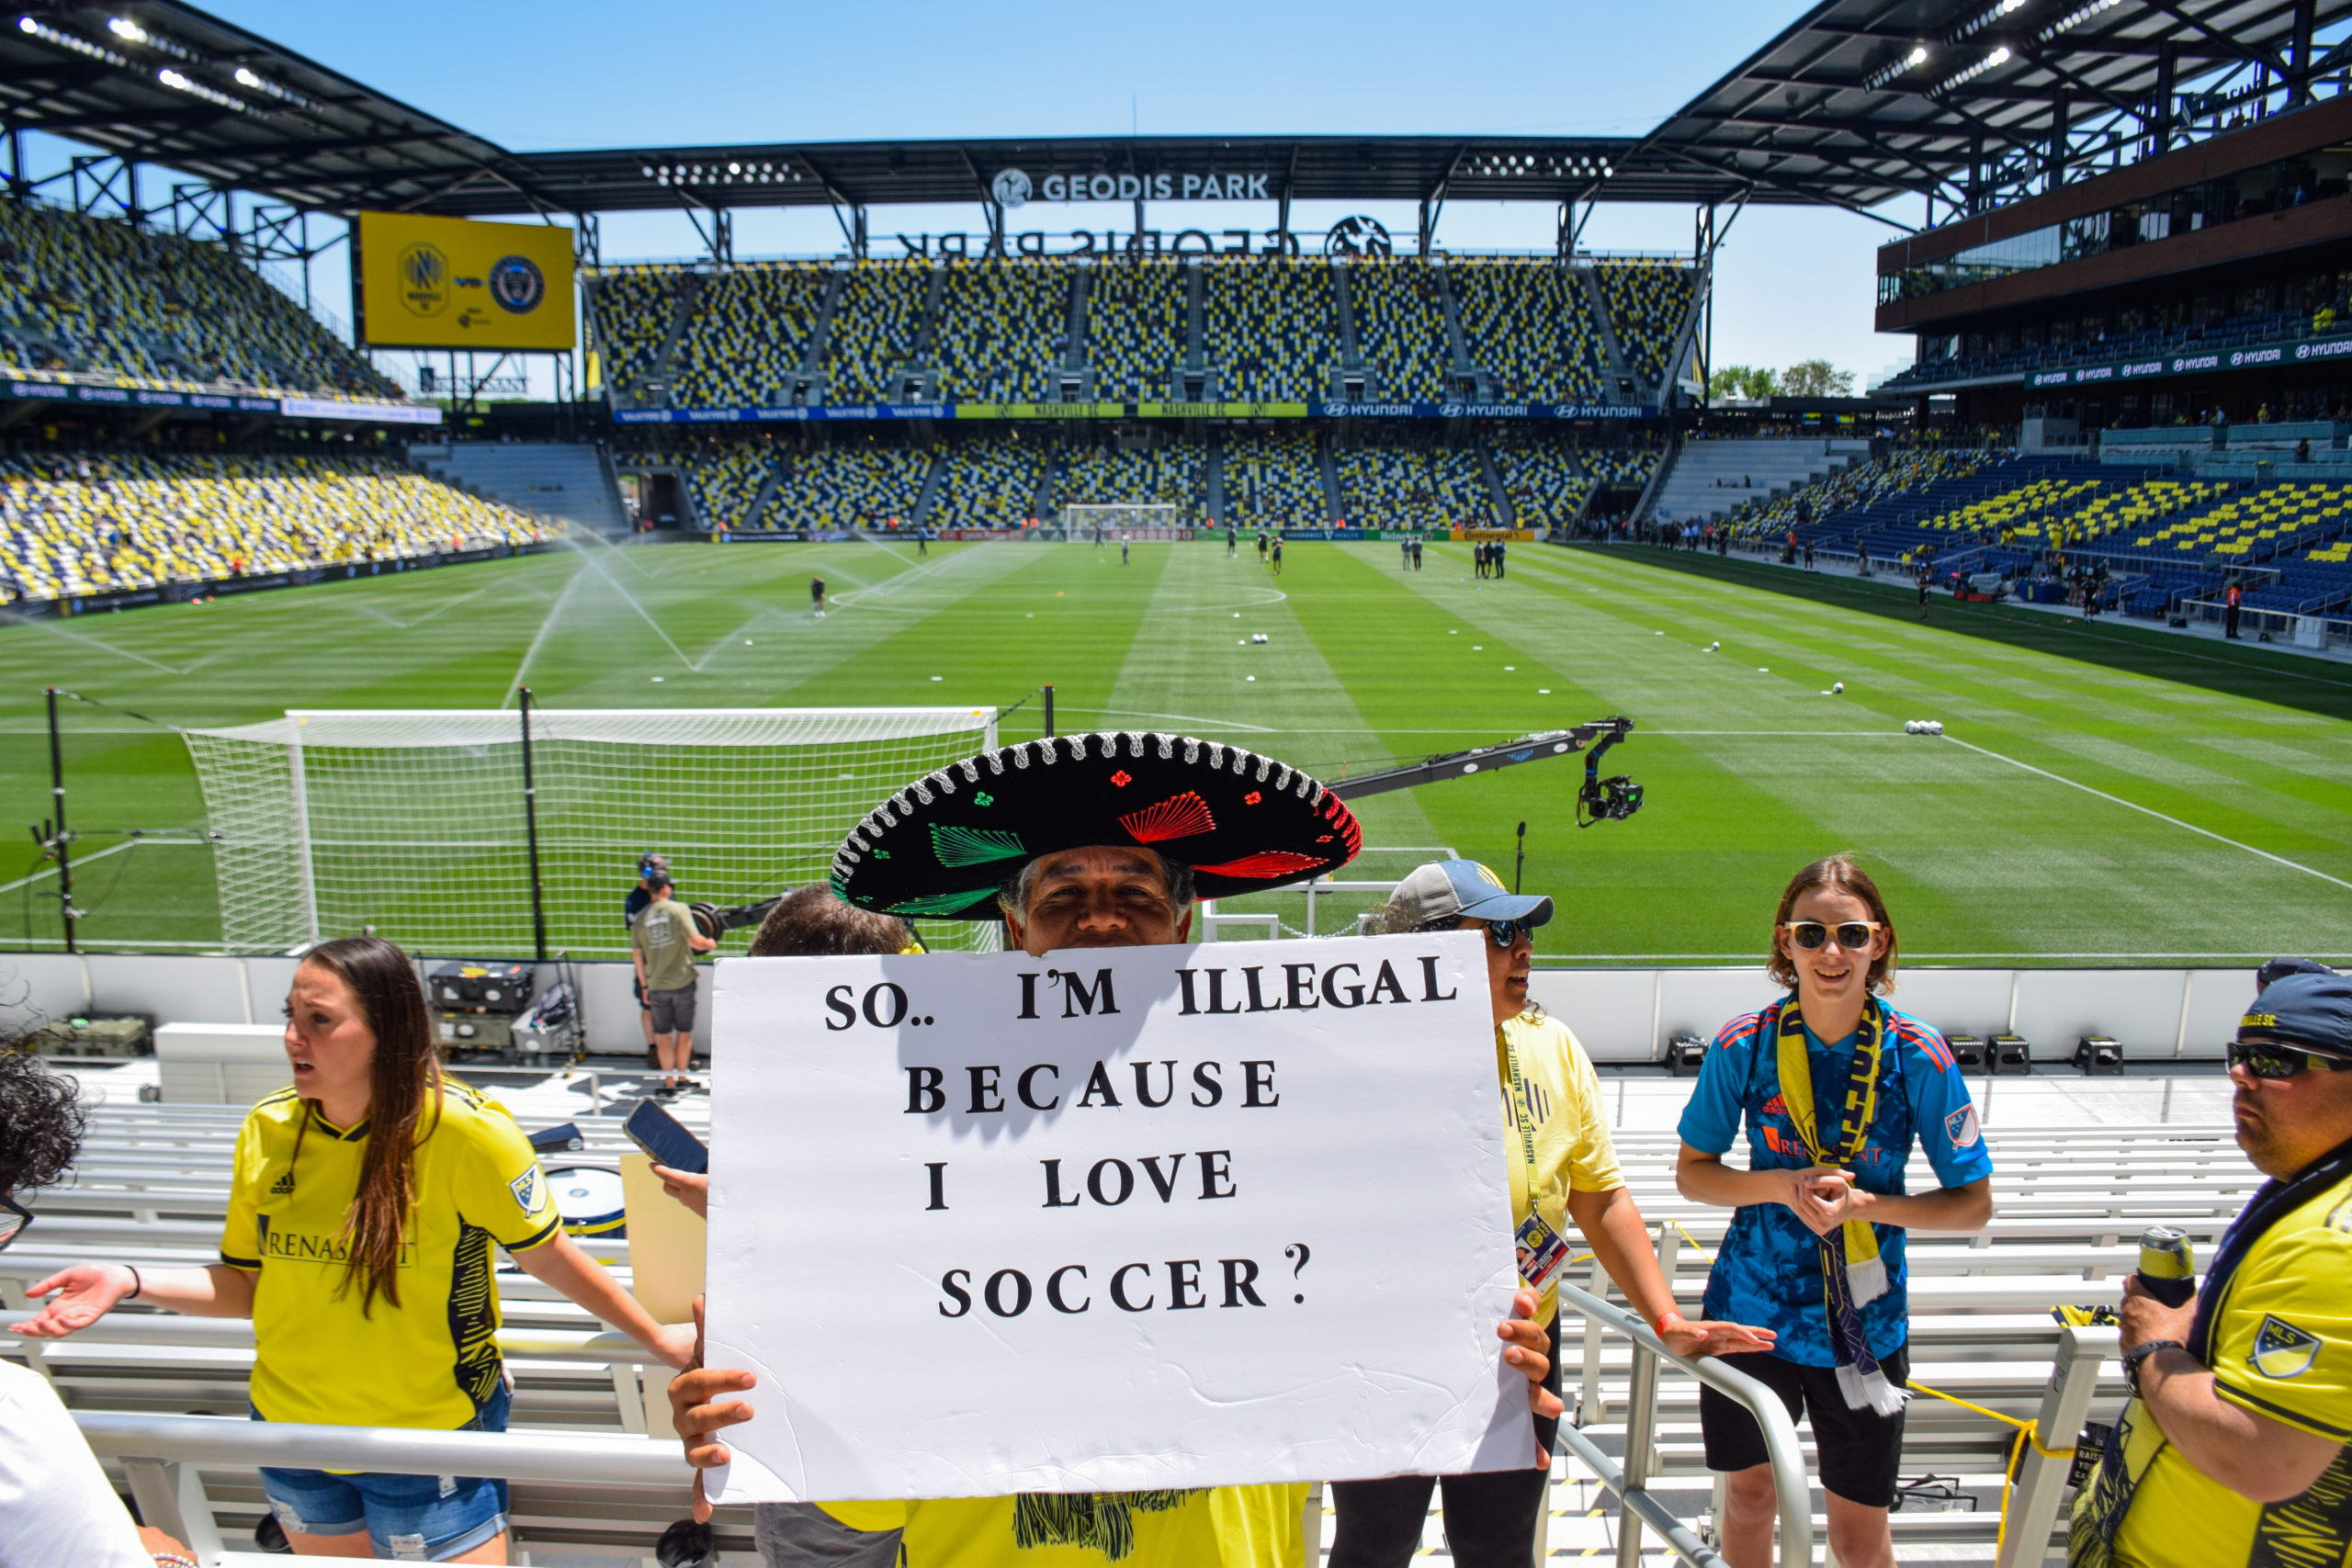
41,1123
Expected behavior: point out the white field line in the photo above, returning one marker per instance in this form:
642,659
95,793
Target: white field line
78,859
2150,811
1195,718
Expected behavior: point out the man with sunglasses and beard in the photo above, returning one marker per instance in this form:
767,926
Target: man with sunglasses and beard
1835,1087
2233,1448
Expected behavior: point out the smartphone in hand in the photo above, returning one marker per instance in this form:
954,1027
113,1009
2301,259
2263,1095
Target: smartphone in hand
668,1143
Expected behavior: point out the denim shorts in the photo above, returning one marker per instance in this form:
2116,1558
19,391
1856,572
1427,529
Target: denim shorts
409,1518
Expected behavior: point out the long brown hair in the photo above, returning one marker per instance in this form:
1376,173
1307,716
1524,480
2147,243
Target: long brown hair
404,1076
1838,870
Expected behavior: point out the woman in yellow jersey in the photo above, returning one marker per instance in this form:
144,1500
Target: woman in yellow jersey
1563,1171
365,1260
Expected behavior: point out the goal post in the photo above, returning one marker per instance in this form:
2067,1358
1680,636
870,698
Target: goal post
1083,521
412,822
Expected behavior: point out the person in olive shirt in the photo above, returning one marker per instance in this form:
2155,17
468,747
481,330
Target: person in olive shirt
662,942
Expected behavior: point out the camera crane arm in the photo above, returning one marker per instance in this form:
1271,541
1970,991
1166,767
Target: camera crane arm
1610,799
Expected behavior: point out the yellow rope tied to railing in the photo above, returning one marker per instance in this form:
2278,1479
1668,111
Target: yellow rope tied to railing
2024,1435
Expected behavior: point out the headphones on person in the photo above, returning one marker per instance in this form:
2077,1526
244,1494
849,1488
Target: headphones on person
649,862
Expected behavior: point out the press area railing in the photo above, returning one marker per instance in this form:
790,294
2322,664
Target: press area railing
2040,1468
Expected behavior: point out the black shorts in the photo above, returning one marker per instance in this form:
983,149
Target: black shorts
673,1012
1861,1450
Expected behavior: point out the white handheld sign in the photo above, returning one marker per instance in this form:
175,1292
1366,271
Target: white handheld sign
1116,1219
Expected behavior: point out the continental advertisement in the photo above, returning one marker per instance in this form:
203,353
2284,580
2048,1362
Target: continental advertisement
454,283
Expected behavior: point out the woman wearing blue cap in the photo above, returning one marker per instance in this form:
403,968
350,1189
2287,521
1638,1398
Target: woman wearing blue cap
1563,1169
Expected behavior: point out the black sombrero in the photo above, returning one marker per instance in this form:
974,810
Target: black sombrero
946,843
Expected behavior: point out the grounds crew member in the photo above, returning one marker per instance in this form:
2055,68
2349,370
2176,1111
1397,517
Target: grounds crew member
2232,1450
1563,1168
662,942
1070,842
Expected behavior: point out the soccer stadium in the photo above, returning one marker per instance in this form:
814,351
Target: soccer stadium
498,664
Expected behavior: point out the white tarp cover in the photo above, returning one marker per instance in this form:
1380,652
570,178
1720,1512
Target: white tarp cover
1291,1270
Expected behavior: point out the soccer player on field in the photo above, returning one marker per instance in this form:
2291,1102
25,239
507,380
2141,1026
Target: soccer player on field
817,596
2233,1448
1835,1087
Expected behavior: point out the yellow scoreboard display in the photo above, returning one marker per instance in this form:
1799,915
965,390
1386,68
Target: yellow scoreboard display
456,283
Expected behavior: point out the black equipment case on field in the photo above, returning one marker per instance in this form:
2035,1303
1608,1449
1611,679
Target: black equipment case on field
491,986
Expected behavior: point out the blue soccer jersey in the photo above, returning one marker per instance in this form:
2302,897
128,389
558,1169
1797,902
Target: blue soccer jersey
1768,1273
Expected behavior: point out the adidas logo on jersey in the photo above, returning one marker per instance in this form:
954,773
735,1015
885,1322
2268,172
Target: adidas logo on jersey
284,1186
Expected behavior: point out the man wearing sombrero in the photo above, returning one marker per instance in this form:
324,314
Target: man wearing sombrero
1099,840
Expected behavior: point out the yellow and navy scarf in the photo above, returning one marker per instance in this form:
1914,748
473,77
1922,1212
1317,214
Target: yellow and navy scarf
1852,1272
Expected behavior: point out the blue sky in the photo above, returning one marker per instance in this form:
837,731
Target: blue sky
1793,283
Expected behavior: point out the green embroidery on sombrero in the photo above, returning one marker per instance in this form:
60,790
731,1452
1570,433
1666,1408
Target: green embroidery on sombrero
942,903
1102,1520
972,846
839,884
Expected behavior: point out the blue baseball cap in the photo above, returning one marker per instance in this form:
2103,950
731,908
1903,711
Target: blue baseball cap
2310,1012
1447,890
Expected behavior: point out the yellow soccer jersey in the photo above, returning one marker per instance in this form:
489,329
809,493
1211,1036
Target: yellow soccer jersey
1573,1150
432,1360
1223,1527
2282,1348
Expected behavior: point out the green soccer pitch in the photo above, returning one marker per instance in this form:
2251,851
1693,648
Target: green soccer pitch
2100,794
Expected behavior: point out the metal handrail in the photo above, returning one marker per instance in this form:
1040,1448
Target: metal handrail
1637,1507
614,1459
170,1330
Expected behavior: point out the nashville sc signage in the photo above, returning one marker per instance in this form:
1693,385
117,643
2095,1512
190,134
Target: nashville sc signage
2200,362
1310,409
156,397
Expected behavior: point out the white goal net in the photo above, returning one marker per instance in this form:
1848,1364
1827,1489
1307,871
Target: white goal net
1085,522
413,822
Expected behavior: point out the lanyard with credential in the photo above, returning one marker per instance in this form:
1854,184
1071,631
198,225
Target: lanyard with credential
1543,1253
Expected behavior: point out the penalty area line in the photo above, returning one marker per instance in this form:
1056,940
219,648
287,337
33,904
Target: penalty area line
2151,811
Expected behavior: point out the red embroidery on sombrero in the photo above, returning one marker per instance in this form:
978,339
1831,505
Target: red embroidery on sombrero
1178,817
1123,778
1252,798
1335,811
1265,864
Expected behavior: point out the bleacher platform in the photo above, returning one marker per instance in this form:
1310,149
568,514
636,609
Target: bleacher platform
1529,322
1649,305
1400,327
112,520
1271,480
2074,1193
97,295
1003,329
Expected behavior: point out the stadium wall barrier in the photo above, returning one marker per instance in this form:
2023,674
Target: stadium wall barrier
348,410
1621,1015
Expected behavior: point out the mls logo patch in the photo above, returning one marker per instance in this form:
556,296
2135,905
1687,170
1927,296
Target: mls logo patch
526,1188
2282,1350
1961,1127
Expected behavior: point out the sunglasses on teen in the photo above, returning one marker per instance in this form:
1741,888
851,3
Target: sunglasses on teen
1508,933
1811,935
2263,1059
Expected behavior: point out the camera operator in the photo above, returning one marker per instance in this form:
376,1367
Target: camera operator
2231,1449
55,1504
663,943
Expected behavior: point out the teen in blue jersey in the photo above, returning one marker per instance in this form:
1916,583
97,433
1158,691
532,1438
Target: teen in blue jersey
1834,1087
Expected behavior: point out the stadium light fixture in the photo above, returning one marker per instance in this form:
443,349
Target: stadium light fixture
48,34
195,89
247,77
130,31
1987,17
1894,68
2073,19
1999,57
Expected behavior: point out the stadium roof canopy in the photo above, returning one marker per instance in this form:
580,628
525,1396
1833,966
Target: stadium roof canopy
1974,103
1969,103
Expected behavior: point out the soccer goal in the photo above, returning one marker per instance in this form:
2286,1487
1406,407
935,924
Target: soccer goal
1084,521
413,822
